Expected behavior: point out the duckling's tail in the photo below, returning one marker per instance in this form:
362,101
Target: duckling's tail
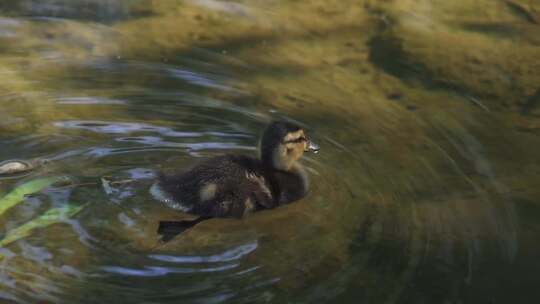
170,229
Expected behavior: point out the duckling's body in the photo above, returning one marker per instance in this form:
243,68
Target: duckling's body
236,185
232,186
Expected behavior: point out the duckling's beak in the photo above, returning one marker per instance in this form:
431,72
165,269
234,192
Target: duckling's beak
312,147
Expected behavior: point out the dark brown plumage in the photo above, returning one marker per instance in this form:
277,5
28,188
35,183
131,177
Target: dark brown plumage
235,185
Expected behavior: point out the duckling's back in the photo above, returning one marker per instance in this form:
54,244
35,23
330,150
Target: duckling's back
223,186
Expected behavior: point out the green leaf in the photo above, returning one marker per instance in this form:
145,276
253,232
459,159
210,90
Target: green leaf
52,216
17,195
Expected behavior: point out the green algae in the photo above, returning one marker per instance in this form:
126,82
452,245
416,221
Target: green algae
50,217
18,194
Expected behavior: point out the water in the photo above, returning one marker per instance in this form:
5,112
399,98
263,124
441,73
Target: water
425,190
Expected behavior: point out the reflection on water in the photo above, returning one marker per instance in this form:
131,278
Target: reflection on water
425,190
160,271
227,256
121,127
90,100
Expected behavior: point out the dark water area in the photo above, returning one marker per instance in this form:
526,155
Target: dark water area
425,190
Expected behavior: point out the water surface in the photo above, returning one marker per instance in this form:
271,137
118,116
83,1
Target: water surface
425,191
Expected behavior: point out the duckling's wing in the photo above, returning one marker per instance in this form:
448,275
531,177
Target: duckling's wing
177,191
232,186
221,186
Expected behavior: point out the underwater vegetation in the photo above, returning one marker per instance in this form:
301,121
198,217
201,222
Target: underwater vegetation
50,217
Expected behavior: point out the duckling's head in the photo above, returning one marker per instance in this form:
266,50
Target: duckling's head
283,143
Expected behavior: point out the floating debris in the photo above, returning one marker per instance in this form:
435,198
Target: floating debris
107,186
15,166
117,190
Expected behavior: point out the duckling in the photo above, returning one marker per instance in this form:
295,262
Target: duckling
236,185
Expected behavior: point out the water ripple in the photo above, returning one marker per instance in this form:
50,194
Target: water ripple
90,100
154,271
121,127
198,79
226,256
